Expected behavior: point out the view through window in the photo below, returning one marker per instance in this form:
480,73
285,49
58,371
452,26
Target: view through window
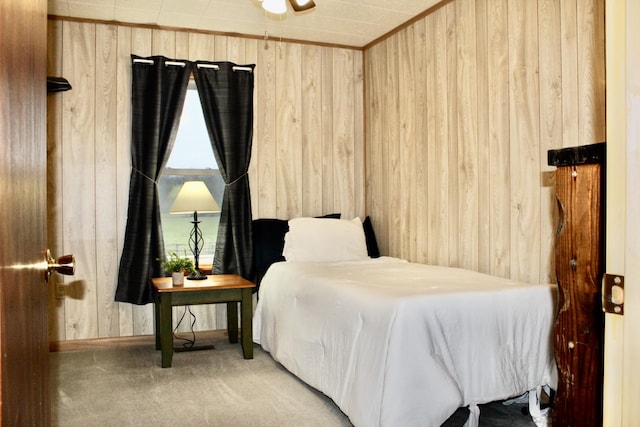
191,159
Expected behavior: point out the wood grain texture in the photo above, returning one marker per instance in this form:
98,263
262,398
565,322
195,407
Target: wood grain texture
549,29
343,135
438,151
305,104
467,130
107,254
499,151
374,150
251,57
312,172
484,136
392,130
503,81
424,120
359,135
234,51
163,42
79,178
579,327
591,72
123,161
327,130
407,212
288,130
55,203
524,141
264,183
453,213
24,359
476,111
570,82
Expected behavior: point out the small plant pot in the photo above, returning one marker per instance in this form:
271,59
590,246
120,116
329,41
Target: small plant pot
178,278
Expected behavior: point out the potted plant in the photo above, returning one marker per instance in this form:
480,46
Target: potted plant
177,266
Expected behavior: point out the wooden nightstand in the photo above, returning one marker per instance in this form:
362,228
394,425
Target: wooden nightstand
219,288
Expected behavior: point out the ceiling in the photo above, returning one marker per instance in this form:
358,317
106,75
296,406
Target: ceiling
353,23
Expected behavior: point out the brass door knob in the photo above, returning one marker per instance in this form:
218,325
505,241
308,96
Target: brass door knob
66,265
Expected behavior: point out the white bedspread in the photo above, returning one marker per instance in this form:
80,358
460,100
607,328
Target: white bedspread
402,344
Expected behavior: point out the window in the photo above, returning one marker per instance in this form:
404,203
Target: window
191,159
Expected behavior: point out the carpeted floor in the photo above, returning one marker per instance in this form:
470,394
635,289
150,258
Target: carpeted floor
127,387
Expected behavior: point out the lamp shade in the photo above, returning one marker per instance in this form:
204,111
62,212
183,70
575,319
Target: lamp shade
275,6
194,196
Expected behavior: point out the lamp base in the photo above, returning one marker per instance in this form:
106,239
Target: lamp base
197,275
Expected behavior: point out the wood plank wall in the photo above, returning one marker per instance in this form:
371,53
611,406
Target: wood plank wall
308,151
461,108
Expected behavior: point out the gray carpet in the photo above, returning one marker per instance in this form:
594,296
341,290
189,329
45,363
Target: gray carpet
127,387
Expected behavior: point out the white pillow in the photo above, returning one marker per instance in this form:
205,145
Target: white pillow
324,240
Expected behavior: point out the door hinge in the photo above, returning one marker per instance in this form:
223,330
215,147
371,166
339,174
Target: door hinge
613,294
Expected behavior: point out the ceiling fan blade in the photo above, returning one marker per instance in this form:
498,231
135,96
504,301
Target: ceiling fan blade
300,5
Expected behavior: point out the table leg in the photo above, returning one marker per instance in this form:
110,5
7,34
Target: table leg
166,337
156,314
232,321
246,307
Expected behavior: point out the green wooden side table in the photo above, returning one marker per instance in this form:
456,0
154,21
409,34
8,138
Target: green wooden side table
220,288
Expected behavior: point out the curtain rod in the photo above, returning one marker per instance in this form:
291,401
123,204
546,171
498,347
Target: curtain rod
150,61
238,68
235,67
214,66
182,64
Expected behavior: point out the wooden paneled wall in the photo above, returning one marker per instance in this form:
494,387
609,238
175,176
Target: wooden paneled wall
308,151
461,109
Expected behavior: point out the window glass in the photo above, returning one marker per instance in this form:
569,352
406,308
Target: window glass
191,159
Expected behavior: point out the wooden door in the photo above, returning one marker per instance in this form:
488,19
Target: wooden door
24,368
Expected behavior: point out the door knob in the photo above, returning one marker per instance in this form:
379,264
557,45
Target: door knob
66,265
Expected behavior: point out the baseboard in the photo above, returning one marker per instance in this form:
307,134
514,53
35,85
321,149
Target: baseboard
122,342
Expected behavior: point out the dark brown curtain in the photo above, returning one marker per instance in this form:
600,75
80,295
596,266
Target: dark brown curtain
158,93
226,94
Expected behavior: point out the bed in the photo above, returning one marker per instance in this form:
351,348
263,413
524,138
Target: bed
396,343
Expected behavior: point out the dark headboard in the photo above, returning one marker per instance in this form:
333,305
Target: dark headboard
268,241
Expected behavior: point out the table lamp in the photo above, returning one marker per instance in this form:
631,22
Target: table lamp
194,196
